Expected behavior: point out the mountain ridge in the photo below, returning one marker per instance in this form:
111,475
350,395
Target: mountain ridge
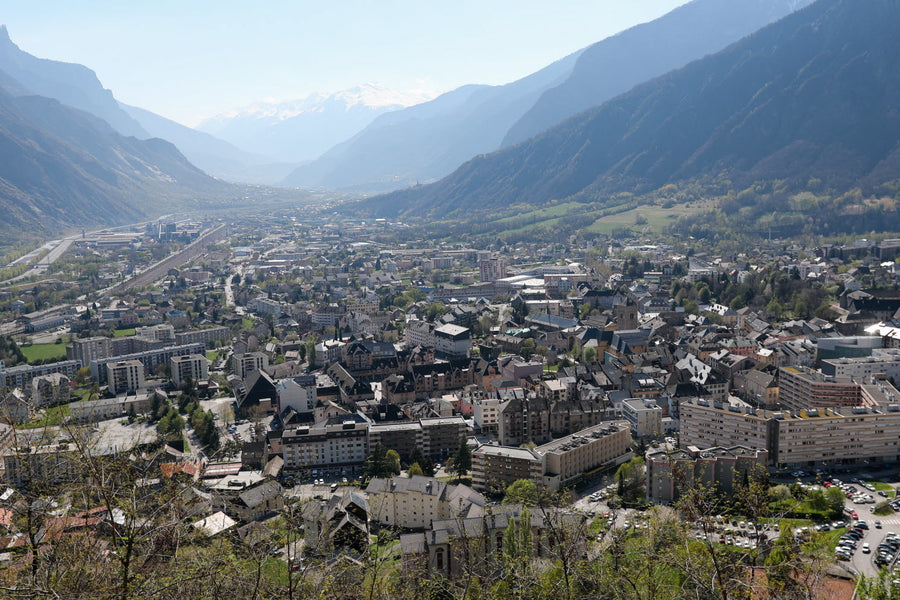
783,103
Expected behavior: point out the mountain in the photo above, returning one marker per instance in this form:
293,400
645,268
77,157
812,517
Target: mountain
72,84
61,167
428,141
212,155
811,98
301,130
618,63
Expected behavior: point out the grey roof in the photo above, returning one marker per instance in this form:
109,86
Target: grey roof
261,493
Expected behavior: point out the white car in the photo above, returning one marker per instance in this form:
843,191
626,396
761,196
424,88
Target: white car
866,548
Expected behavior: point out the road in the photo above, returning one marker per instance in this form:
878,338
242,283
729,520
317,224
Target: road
157,271
57,249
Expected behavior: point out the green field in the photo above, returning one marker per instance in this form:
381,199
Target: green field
123,332
656,217
44,352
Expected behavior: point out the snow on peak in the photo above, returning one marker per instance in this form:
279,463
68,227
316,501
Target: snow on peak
367,95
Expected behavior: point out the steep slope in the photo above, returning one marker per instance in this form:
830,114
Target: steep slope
72,84
60,167
209,153
811,96
301,130
616,64
426,142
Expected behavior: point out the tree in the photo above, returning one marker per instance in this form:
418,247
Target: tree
527,492
527,349
631,480
418,457
392,461
414,469
462,460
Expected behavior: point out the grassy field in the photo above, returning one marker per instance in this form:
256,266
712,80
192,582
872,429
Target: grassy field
52,417
656,217
123,332
44,352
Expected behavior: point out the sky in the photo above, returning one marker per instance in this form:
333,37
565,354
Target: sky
192,59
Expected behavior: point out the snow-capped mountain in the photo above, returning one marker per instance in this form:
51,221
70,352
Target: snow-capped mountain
304,128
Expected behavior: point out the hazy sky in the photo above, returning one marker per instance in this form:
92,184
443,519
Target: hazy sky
190,59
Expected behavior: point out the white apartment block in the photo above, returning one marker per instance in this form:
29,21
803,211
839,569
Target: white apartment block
164,332
245,364
644,417
193,367
802,438
414,502
452,340
298,393
125,376
418,333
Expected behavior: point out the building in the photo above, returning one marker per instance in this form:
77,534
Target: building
455,546
208,337
151,359
92,411
644,417
43,464
87,350
801,387
883,363
244,364
601,446
403,437
335,447
51,389
670,473
494,468
415,502
298,393
22,375
190,367
441,436
125,376
163,332
492,269
797,439
452,341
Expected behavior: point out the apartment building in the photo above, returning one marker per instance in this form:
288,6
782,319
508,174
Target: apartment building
42,464
21,376
207,337
298,393
442,436
567,459
804,438
670,473
125,376
495,467
190,367
50,389
644,417
163,332
452,341
801,387
403,437
150,359
415,502
244,364
335,447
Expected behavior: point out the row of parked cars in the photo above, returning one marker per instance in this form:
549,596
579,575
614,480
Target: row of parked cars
887,549
846,546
